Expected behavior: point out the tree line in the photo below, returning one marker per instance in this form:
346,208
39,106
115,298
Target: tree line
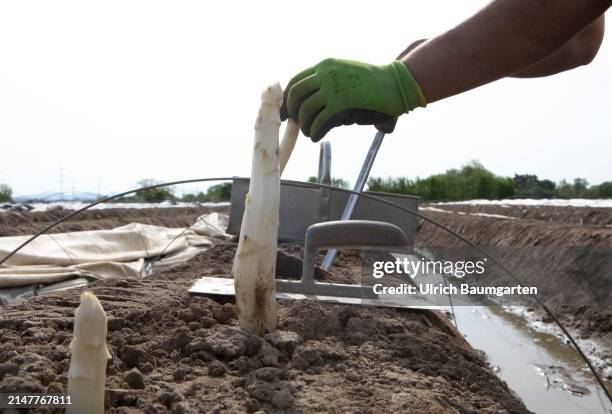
471,181
215,193
6,193
474,181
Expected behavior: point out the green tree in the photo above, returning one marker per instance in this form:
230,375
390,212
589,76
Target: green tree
547,185
154,195
189,198
471,181
603,190
524,182
6,193
219,192
401,185
580,187
336,182
529,186
215,193
564,190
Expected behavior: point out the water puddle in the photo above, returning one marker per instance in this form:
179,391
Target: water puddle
547,374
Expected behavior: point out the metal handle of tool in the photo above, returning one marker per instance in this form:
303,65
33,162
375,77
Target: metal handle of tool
349,234
328,261
324,177
324,173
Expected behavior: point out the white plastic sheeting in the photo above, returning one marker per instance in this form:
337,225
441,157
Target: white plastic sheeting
118,253
553,202
75,205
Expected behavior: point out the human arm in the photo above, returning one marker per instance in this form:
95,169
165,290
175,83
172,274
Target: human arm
506,38
578,51
502,39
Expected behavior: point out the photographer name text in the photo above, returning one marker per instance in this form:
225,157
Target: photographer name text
452,289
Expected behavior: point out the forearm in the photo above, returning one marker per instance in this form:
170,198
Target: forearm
579,50
502,39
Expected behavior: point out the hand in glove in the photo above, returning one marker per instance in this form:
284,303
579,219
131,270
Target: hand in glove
342,92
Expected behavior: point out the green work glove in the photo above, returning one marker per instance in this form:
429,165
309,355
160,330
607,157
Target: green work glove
342,92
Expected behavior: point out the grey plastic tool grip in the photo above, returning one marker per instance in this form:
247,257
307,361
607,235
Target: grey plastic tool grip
348,234
354,233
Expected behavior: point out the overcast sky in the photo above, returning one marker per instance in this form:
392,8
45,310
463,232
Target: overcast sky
117,91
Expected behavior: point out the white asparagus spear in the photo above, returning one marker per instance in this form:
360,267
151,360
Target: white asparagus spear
89,356
286,146
255,260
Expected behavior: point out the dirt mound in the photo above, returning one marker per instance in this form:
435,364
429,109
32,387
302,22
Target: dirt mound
15,223
545,253
173,353
569,215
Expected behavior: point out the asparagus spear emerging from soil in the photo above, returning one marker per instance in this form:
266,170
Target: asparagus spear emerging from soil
89,356
255,261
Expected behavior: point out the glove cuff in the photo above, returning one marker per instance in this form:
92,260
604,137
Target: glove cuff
410,91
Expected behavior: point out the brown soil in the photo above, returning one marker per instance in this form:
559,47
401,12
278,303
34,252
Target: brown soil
174,353
13,223
595,216
191,356
567,241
